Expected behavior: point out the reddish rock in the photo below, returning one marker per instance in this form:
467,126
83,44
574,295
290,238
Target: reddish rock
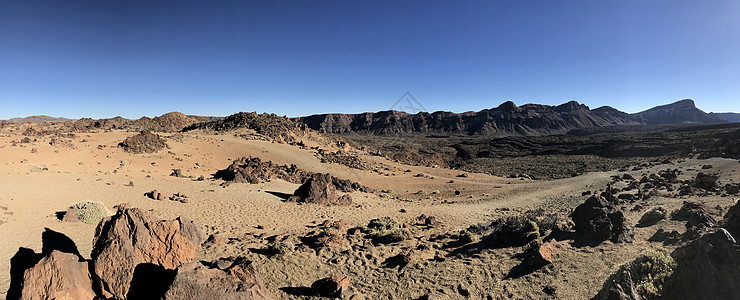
540,256
71,216
58,276
132,237
225,278
335,287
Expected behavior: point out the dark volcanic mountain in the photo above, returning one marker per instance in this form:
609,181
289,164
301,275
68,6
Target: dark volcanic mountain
683,111
729,117
506,119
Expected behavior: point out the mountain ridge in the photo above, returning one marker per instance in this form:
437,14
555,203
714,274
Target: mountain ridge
507,119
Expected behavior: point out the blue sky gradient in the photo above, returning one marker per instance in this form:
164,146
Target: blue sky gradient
145,58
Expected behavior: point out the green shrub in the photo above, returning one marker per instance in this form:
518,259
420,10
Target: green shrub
385,230
654,215
465,237
282,247
90,212
646,274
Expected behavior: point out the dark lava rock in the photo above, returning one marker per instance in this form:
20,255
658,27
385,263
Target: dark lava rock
596,219
695,214
705,181
707,268
335,287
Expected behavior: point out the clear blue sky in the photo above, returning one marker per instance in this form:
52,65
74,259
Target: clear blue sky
133,58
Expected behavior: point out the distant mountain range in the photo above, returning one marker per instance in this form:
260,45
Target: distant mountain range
35,119
509,119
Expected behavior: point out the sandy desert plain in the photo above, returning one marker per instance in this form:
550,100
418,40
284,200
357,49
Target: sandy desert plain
452,234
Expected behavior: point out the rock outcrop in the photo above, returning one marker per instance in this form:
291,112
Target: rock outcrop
144,142
708,268
133,237
60,276
222,279
598,220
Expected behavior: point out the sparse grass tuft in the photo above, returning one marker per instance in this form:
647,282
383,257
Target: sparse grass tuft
385,230
653,216
646,274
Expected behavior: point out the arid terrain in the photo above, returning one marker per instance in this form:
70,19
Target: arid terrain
451,217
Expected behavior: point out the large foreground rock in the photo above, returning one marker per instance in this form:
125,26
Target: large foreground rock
598,220
132,238
320,189
58,276
222,279
708,268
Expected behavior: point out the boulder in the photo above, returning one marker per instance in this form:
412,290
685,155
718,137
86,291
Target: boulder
731,220
133,237
58,276
705,181
707,268
320,189
598,220
695,214
539,256
71,215
225,278
335,287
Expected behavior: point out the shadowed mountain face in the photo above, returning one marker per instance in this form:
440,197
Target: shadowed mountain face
506,119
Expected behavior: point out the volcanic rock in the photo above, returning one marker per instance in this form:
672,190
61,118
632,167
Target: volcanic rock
334,287
225,278
144,142
708,268
59,276
705,181
319,189
695,214
596,219
539,256
132,237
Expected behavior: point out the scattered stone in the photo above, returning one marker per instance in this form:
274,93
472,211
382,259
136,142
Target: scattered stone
155,195
176,173
132,237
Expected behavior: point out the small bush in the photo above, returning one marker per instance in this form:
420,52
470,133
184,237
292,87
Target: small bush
90,212
385,230
646,274
653,216
281,248
465,237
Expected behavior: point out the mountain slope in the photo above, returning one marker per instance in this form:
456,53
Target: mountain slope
729,117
